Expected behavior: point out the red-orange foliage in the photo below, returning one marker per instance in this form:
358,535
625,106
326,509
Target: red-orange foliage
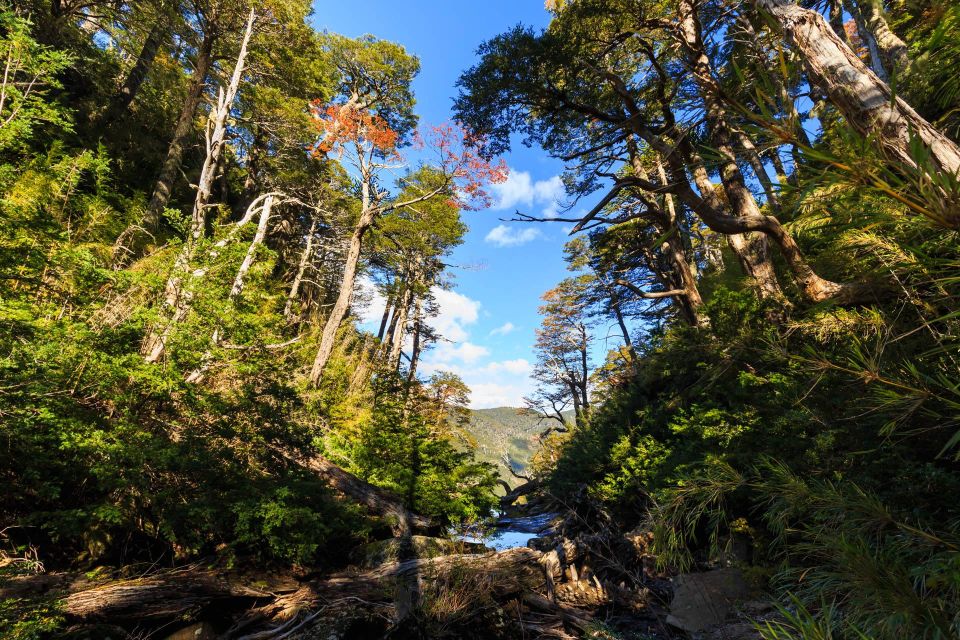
458,151
459,157
340,124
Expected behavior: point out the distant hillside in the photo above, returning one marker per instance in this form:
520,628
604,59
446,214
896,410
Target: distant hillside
505,430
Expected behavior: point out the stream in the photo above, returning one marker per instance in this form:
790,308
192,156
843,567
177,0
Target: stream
512,532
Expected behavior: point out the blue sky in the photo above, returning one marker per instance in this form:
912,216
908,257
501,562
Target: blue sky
491,313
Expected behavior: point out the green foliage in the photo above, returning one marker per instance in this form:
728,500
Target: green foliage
420,460
30,75
29,620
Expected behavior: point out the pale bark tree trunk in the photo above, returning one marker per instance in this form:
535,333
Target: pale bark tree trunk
305,257
666,224
754,257
347,284
864,100
836,19
691,299
752,249
217,131
892,49
709,208
385,318
181,133
621,322
756,163
417,342
866,36
176,298
401,301
239,280
399,333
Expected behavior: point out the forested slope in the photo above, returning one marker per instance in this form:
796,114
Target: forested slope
775,241
189,195
195,426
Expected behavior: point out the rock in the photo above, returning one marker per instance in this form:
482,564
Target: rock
702,600
377,553
199,631
734,631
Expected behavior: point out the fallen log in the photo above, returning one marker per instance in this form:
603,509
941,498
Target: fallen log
189,592
169,595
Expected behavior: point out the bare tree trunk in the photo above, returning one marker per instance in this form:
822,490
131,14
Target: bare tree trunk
778,167
691,299
752,249
756,163
301,270
621,322
417,342
340,307
864,100
217,131
181,133
206,360
754,257
176,298
399,333
836,19
385,318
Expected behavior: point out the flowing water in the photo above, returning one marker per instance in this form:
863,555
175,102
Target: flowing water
509,533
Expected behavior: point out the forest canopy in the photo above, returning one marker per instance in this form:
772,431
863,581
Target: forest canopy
753,357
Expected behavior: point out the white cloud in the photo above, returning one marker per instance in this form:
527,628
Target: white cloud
488,395
368,302
504,236
444,354
502,383
456,311
504,329
520,190
518,367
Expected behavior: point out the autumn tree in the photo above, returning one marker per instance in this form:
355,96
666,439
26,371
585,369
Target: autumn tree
366,143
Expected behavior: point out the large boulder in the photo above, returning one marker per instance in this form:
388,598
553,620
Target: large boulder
703,600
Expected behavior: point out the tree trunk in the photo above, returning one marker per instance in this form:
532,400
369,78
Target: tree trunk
893,51
182,593
417,342
863,99
385,318
399,333
754,256
691,301
178,295
301,270
866,36
756,163
836,19
752,249
122,100
377,501
340,307
181,133
206,360
216,134
176,298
